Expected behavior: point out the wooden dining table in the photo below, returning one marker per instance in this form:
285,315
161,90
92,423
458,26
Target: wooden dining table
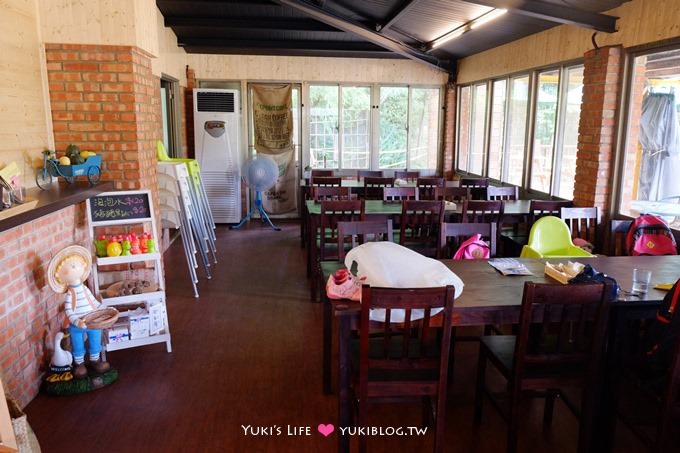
491,298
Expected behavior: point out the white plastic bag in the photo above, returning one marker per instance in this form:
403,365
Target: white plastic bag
390,265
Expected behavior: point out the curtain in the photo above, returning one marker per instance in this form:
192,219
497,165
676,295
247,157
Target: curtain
660,143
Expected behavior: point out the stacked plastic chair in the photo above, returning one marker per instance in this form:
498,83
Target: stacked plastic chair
184,206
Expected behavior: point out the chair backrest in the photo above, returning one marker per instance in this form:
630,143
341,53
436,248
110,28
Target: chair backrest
373,186
549,234
335,181
561,336
454,234
426,187
331,193
407,175
454,194
406,359
478,187
583,223
618,229
322,173
482,211
502,193
351,234
540,208
419,225
333,212
369,173
400,193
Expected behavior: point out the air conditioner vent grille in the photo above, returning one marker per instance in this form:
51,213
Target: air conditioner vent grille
215,102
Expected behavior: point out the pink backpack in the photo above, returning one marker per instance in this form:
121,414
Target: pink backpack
650,235
473,249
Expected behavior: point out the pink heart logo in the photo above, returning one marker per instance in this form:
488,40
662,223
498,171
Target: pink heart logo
326,430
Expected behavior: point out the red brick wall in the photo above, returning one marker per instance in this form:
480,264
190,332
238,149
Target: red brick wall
189,111
449,126
602,80
105,99
30,313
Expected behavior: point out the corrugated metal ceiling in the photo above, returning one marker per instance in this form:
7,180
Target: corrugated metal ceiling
368,28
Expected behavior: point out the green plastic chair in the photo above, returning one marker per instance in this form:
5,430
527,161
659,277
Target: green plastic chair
550,238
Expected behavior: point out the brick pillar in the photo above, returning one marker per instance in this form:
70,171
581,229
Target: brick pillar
602,81
106,99
449,126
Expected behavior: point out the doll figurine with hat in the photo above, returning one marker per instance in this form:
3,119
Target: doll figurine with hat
67,272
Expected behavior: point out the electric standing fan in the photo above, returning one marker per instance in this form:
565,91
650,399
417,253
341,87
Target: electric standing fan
259,173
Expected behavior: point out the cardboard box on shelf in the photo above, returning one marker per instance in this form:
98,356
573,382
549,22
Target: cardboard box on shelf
139,323
118,333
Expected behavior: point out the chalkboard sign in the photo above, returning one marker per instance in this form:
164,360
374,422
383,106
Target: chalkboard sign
110,206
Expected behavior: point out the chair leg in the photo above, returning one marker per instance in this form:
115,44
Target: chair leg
550,396
480,387
513,422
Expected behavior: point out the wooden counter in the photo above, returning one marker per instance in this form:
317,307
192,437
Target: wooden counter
58,197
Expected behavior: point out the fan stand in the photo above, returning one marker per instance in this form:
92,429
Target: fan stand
263,215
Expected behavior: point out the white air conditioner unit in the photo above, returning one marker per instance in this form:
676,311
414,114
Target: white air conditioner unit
217,124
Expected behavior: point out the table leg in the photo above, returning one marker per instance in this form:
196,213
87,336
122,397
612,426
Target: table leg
344,403
327,344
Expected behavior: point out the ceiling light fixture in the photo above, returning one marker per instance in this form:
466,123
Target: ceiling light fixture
453,34
488,17
457,32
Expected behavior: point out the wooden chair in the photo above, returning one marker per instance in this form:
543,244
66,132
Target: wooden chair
419,225
559,344
410,176
361,174
502,193
327,181
453,234
426,187
454,194
540,208
478,187
649,396
350,234
398,194
332,212
374,185
584,223
618,230
316,173
359,232
482,211
403,359
331,193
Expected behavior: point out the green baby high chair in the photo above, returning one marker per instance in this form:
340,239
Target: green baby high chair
550,238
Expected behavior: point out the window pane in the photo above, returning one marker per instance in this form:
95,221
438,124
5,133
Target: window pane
423,130
572,113
497,128
514,153
323,126
393,115
356,113
652,153
477,133
463,127
544,130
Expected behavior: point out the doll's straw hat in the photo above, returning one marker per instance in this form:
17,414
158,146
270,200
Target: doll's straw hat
78,250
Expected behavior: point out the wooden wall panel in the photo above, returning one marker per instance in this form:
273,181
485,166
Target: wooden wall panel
23,121
172,60
360,70
112,22
640,22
